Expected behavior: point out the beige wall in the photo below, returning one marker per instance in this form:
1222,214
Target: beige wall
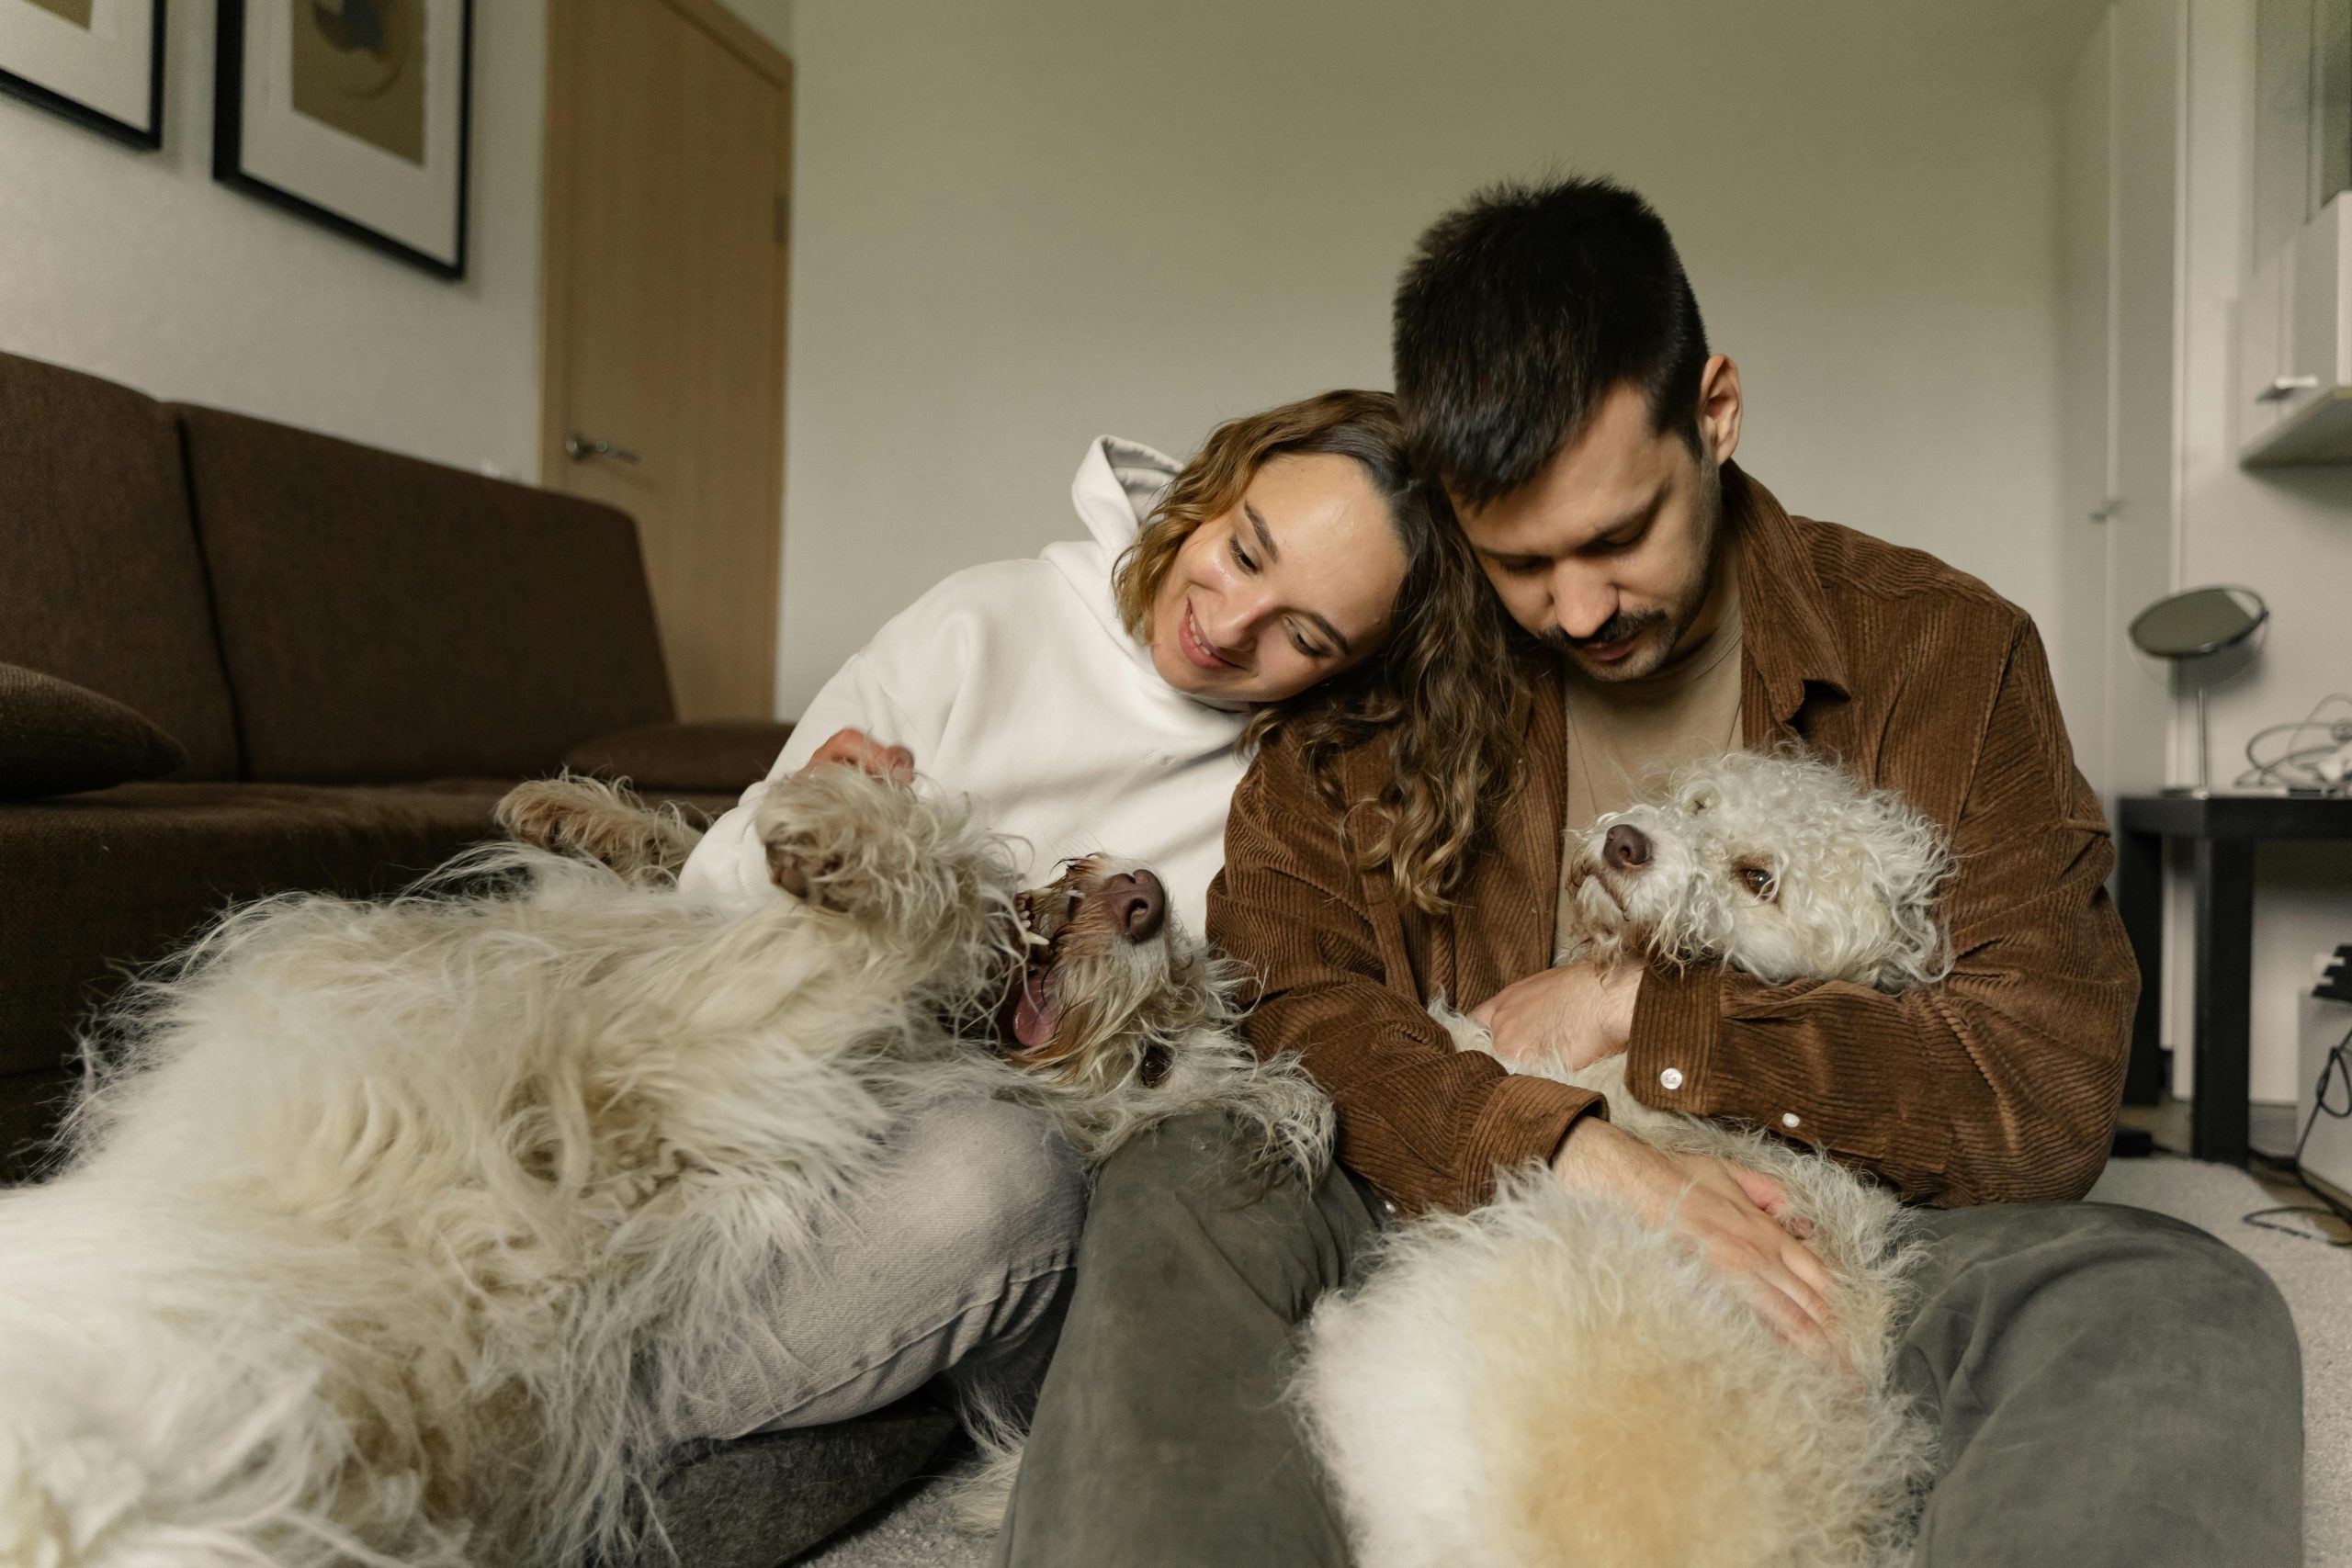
138,267
2287,532
1019,224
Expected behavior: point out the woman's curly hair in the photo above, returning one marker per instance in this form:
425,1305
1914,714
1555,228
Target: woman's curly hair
1441,685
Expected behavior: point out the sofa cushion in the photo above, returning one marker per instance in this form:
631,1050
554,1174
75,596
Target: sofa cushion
93,885
57,737
91,882
708,756
102,582
386,619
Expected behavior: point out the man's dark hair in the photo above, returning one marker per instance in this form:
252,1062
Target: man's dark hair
1520,313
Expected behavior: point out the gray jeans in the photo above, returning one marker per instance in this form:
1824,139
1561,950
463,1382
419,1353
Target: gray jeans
955,1259
2110,1386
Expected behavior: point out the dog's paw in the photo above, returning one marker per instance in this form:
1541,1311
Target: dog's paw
812,871
829,838
599,821
534,813
836,838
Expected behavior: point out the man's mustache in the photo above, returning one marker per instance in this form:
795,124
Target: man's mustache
1615,629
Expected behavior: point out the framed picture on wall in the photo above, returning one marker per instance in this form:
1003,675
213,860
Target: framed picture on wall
354,114
97,62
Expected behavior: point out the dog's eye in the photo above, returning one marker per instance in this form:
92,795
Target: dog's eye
1759,880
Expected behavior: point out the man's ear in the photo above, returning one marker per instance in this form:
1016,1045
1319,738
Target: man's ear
1719,406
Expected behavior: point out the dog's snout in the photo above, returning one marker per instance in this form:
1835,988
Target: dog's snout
1626,848
1139,903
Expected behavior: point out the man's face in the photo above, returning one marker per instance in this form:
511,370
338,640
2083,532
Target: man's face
1607,554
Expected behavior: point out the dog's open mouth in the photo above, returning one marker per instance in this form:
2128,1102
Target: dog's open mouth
1032,1010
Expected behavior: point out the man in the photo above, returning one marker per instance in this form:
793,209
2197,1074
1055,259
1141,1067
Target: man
2109,1386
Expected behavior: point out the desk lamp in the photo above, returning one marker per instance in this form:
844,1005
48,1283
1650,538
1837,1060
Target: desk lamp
2196,623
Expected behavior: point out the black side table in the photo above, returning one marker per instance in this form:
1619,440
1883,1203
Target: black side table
2225,830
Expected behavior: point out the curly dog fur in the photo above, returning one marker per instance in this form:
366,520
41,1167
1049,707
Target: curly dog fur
392,1233
1550,1379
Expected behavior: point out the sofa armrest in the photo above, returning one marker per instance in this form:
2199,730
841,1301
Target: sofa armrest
707,758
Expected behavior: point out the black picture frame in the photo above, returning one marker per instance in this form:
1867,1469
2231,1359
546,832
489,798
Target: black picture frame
147,141
228,127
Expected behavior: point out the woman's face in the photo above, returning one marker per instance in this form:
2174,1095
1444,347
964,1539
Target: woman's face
1292,585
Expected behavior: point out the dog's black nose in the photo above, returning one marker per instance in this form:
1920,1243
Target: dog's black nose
1626,848
1139,903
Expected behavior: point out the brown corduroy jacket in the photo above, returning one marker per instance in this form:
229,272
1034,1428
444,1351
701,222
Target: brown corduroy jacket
2000,1083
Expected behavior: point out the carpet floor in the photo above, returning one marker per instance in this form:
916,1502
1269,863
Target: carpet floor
912,1531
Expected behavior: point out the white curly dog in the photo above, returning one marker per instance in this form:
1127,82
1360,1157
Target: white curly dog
1551,1381
390,1233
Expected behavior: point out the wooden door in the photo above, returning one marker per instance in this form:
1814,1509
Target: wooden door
668,182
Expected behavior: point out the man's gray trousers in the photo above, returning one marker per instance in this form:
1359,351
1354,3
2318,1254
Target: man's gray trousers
2109,1386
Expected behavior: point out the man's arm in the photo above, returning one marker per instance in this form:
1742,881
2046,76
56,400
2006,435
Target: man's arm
1422,1121
1999,1085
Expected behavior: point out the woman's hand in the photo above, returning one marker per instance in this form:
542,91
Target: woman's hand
1733,1217
895,763
1571,1017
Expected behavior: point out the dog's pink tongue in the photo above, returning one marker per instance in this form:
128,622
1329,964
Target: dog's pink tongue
1037,1012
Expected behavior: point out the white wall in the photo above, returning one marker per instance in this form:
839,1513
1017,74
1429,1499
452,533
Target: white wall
2287,532
1022,222
138,267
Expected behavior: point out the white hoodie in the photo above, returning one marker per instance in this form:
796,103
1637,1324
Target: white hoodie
1014,684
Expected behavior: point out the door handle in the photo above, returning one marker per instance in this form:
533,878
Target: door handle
2285,387
580,448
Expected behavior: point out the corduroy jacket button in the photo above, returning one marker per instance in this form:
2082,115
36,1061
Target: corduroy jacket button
1671,1077
1789,1119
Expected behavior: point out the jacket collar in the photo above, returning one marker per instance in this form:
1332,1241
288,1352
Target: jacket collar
1785,624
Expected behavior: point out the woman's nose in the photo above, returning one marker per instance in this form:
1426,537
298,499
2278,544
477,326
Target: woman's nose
1232,623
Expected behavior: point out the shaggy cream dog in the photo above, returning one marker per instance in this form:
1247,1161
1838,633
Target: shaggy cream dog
1550,1379
392,1231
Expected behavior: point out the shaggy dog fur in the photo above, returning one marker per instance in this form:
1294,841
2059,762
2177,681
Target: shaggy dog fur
1550,1379
389,1233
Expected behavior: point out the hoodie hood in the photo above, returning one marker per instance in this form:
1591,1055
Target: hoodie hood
1117,485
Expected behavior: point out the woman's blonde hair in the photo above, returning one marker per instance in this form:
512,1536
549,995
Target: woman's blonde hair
1440,684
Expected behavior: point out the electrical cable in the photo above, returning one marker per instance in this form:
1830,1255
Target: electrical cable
2296,764
2336,1068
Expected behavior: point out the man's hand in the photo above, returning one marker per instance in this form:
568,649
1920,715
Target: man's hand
895,763
1572,1016
1727,1212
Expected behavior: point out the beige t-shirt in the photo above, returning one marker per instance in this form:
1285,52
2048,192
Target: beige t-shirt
1622,735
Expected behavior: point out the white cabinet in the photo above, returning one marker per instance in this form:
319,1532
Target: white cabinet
2294,327
2295,348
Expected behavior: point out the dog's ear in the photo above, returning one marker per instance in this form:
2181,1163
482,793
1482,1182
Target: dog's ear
1913,864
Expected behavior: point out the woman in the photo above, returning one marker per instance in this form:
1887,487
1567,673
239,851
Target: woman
1096,697
1105,697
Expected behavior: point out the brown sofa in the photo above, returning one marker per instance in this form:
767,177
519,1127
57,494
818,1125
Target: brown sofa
358,653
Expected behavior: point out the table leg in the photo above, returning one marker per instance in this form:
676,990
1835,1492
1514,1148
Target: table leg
2225,1000
2139,898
